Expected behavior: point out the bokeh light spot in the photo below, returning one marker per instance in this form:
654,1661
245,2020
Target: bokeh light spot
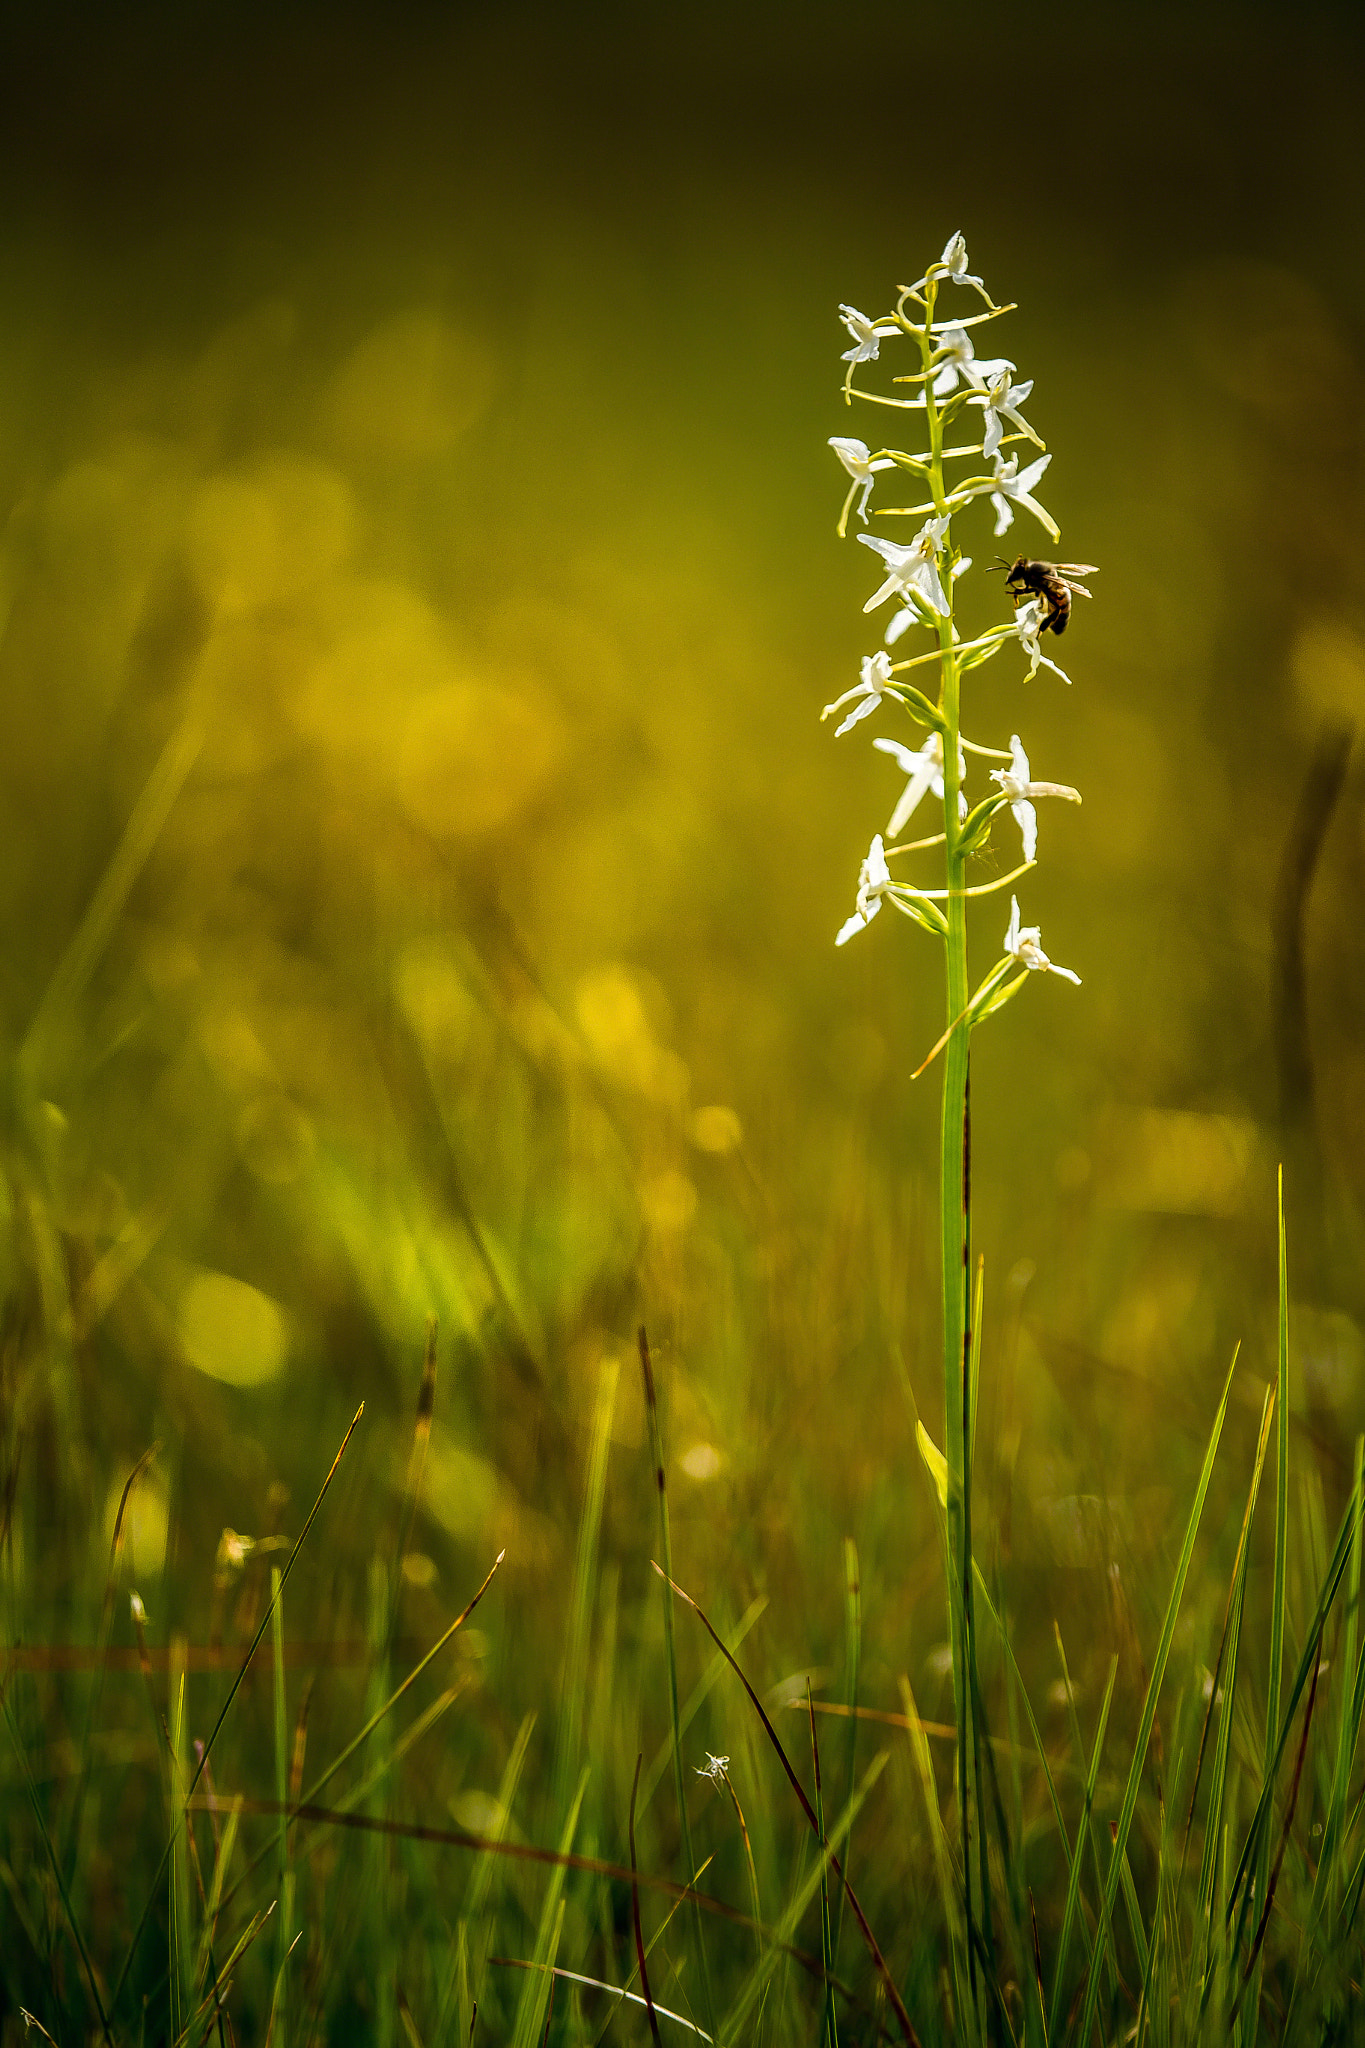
232,1331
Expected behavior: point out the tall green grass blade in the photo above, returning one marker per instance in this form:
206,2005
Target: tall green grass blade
477,1899
1149,1708
573,1683
284,1936
1076,1859
535,1997
671,1658
945,1872
1351,1690
1093,1836
1241,1892
181,1929
1279,1595
1228,1670
853,1656
831,2028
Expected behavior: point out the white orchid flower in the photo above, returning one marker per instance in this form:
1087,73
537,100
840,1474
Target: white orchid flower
1023,946
1012,487
924,769
861,465
954,261
911,570
866,694
956,360
874,879
1002,401
1028,624
1015,783
901,621
868,335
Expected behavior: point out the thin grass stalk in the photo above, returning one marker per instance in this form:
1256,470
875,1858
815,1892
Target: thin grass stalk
671,1658
1149,1708
853,1653
284,1935
1279,1594
831,2029
1073,1889
640,1954
1094,1830
181,1930
1350,1688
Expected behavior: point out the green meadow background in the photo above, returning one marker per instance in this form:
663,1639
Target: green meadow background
419,863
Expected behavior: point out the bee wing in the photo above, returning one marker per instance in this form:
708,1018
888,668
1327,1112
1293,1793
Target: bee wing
1076,568
1078,589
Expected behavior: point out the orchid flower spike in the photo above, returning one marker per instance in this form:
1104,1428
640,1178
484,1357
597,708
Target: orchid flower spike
865,695
1028,624
911,570
874,879
868,335
1023,946
1015,783
1002,401
1012,487
861,465
925,771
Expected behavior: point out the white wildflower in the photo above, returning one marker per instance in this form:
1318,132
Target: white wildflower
868,335
1015,783
954,262
1012,487
911,570
1029,625
1002,401
956,360
874,879
901,621
861,465
137,1610
714,1768
865,695
1023,945
924,770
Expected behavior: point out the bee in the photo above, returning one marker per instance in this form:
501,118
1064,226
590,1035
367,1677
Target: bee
1053,582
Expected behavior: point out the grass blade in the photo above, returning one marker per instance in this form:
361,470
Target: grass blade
1149,1708
671,1657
